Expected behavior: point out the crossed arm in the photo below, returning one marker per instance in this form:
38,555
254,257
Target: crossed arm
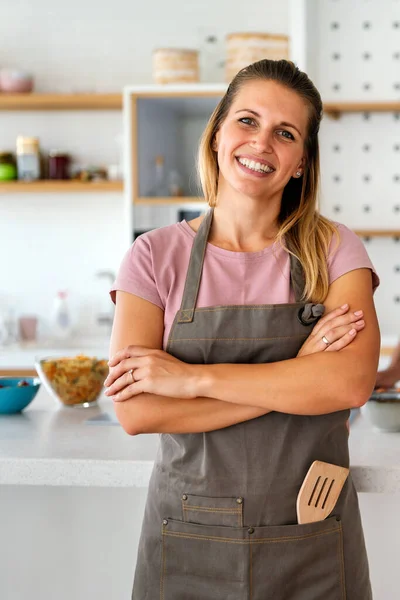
208,397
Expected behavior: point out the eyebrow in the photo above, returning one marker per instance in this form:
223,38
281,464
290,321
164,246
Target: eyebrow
256,114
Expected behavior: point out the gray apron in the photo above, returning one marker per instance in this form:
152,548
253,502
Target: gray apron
220,519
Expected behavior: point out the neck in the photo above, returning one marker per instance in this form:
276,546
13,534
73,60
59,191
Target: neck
244,224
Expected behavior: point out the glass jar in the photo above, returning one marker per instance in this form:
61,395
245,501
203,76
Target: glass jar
28,158
8,167
58,165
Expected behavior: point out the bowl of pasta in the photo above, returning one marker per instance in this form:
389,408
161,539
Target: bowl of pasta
73,380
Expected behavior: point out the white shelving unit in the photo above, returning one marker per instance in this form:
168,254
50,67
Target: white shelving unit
168,121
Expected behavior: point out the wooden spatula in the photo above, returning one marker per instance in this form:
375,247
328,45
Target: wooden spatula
319,491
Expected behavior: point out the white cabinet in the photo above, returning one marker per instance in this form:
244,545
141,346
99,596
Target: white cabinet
164,121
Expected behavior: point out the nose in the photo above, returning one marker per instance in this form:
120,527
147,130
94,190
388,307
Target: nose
263,141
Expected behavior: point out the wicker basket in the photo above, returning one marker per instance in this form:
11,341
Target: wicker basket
174,65
242,49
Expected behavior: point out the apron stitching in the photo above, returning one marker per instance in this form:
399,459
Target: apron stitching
183,511
251,571
162,569
342,579
244,307
255,541
287,337
205,509
294,537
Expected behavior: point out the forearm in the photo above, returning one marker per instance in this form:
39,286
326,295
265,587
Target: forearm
149,413
310,385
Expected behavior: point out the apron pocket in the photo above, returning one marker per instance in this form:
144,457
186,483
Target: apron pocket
199,561
204,510
298,562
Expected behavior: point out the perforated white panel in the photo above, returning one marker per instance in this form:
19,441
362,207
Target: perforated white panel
353,55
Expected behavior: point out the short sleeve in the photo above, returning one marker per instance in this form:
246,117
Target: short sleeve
347,254
136,273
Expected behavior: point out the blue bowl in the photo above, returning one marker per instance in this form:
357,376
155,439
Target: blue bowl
14,398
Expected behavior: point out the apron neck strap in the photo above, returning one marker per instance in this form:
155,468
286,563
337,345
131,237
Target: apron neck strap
297,278
195,269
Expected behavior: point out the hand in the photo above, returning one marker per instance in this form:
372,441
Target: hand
154,372
386,378
338,326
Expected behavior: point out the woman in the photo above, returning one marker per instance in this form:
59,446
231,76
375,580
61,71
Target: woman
252,387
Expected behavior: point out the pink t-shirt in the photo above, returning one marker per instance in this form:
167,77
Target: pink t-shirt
155,268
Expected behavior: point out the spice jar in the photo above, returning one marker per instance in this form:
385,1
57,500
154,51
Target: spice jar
28,158
8,168
58,165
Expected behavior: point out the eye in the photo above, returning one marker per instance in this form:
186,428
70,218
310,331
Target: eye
246,120
289,136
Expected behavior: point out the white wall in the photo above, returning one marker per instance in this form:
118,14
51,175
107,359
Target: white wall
56,241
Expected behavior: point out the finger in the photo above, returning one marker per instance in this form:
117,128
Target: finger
333,333
119,384
121,368
342,342
331,315
130,352
347,319
128,392
337,333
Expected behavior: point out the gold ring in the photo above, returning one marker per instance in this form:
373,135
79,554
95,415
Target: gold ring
132,375
325,340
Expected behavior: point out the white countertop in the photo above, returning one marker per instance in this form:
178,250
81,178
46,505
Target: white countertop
48,445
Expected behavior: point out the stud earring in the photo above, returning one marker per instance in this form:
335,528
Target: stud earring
298,173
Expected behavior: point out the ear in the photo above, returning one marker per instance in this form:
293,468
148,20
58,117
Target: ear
300,168
214,144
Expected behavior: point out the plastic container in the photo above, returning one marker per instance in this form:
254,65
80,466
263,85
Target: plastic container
61,318
28,158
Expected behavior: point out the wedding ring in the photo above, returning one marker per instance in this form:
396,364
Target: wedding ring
325,340
132,375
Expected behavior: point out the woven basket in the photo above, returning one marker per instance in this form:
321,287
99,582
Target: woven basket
242,49
174,65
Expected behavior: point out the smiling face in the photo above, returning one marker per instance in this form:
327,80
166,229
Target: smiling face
260,144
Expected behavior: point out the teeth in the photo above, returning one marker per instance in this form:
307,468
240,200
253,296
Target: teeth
255,166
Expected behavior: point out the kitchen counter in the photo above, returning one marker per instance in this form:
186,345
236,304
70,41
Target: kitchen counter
48,445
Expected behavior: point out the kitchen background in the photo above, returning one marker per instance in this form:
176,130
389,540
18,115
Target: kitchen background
79,544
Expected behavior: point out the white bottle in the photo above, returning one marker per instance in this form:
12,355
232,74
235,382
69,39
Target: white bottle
61,319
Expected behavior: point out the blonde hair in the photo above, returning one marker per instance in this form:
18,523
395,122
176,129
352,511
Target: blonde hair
302,230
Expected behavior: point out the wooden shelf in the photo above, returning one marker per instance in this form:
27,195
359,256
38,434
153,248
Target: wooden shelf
335,109
20,187
377,232
18,373
34,101
169,200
